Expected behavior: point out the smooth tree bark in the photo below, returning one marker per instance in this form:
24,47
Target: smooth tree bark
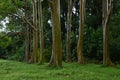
41,32
27,44
69,25
27,36
52,59
35,41
80,39
107,9
56,57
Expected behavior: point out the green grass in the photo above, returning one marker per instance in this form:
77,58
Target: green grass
11,70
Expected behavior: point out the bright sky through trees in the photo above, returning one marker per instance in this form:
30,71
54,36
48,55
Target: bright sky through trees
3,24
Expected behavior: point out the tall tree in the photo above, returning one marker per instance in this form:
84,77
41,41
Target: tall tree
68,43
107,9
28,26
41,32
35,41
81,25
27,36
56,32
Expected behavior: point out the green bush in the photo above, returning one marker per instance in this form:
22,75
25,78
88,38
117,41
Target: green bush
115,38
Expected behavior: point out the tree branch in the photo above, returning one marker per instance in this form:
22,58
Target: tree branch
28,22
50,1
11,33
108,15
23,17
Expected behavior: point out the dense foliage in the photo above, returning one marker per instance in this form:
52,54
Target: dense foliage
12,42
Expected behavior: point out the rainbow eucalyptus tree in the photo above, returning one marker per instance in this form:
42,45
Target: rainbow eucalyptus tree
35,37
81,26
41,32
107,9
56,57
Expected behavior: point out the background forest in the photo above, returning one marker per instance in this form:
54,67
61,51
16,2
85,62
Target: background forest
21,21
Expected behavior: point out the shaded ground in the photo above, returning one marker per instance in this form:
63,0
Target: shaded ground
11,70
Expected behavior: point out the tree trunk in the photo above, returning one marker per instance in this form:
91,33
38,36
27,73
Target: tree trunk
41,32
27,35
80,39
56,32
27,45
35,46
68,44
107,8
51,62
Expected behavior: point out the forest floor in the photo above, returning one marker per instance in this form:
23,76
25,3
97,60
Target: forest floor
12,70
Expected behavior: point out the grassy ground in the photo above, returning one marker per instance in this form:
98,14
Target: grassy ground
11,70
